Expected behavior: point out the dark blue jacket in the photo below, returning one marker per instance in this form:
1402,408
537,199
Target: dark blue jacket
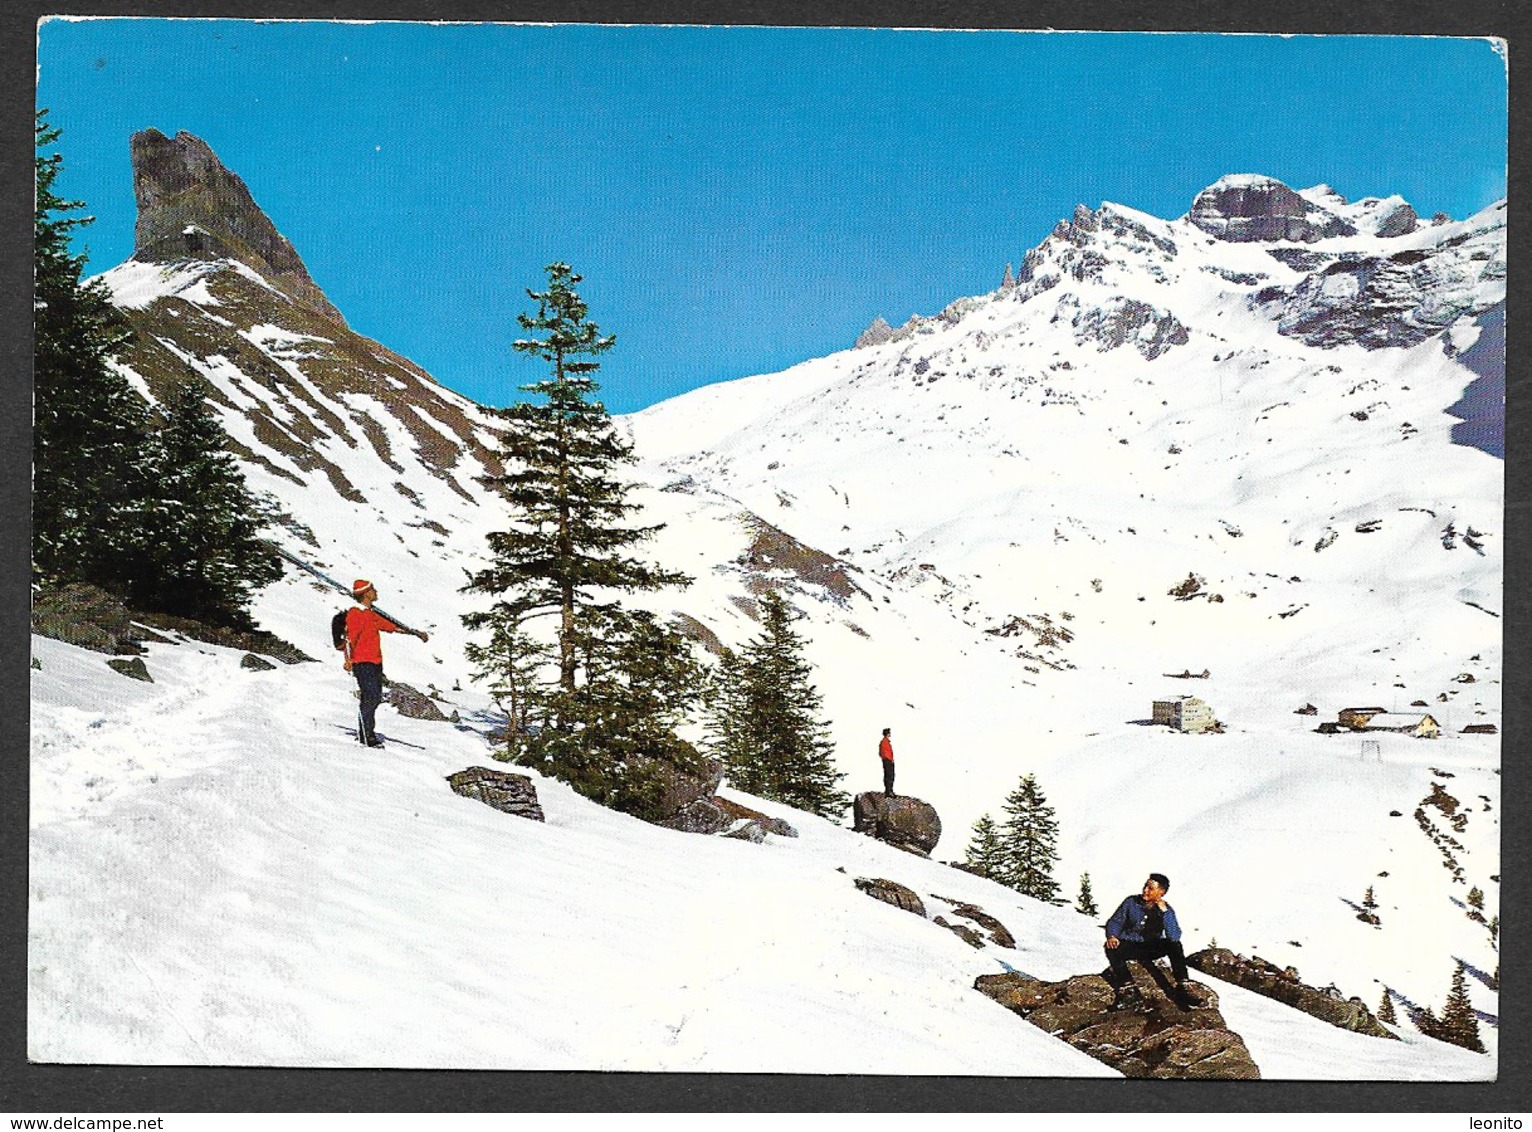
1128,921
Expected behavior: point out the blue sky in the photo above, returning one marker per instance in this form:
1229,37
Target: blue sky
738,199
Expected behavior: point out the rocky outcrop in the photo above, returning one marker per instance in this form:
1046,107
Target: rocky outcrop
714,815
891,892
1256,974
191,207
1250,209
876,334
83,615
1137,1030
509,793
999,934
135,668
413,704
1121,321
1397,300
256,663
906,823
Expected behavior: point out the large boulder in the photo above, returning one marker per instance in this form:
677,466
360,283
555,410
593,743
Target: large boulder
509,793
413,703
1138,1029
904,822
1256,974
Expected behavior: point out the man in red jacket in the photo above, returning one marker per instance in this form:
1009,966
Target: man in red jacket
886,754
364,656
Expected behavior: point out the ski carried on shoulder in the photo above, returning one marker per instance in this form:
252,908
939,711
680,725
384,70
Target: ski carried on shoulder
338,587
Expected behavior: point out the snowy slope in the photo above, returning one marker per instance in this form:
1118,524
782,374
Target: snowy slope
980,520
1066,452
218,881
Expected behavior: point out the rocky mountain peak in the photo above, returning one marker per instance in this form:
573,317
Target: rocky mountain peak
190,207
1246,208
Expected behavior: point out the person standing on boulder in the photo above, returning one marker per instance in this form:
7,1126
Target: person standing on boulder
364,656
1144,927
886,756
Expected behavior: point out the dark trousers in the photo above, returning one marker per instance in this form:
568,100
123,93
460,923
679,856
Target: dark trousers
1146,953
888,776
369,678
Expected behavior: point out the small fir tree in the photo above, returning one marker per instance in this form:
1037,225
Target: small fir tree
1386,1009
986,855
774,743
1458,1023
510,659
1086,901
1031,841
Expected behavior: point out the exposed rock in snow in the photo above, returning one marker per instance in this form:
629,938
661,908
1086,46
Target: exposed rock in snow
1248,208
512,794
904,822
892,892
1266,978
1138,1030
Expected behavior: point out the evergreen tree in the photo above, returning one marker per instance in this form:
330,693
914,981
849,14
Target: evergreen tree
1476,899
1031,841
773,742
728,711
985,855
206,557
89,484
511,660
1458,1024
1086,901
565,553
1386,1009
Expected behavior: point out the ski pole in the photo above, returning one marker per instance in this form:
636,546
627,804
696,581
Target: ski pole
333,584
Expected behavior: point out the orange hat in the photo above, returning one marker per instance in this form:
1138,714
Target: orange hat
360,586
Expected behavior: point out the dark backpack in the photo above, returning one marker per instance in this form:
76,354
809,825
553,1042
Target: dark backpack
338,629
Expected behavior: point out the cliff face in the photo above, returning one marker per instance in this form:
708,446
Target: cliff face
191,207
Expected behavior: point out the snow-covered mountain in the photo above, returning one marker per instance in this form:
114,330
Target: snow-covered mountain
1283,407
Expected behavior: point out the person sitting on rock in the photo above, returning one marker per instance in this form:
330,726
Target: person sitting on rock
1144,927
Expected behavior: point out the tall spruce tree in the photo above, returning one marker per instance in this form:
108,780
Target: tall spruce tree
566,552
767,715
1031,834
206,558
89,482
986,854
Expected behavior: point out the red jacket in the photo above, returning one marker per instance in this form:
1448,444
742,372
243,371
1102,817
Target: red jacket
363,645
886,750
